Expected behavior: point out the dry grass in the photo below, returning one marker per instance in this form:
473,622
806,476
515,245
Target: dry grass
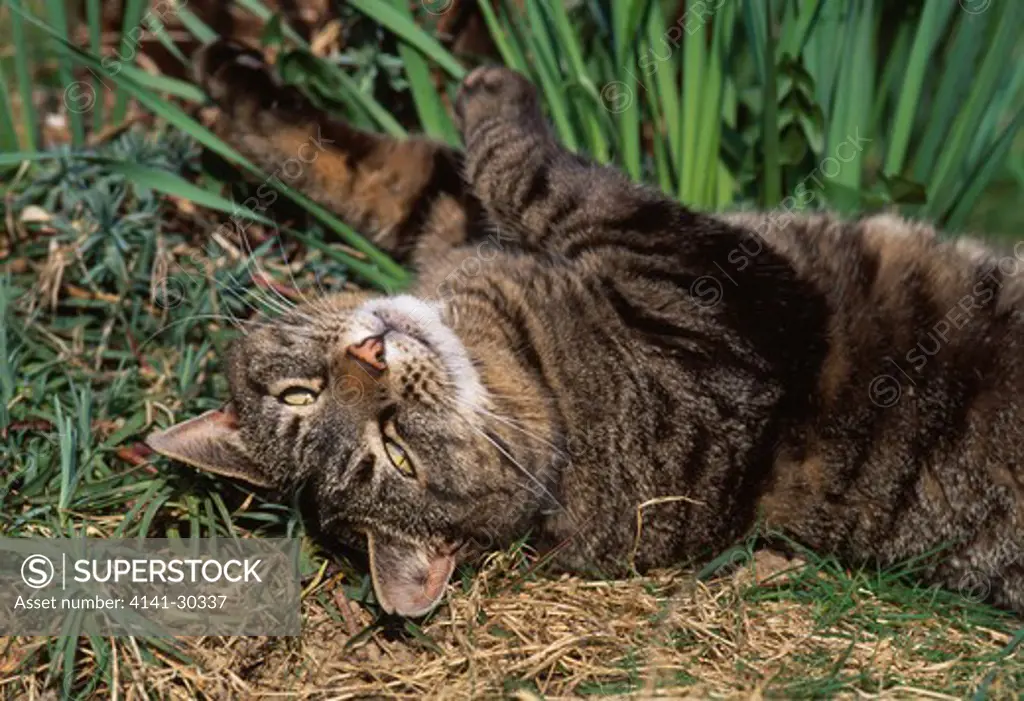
663,636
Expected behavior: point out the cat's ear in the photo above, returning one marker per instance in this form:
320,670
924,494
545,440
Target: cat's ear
211,442
408,579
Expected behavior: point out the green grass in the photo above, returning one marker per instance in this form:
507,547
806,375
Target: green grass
116,307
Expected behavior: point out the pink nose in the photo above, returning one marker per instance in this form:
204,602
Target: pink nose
370,352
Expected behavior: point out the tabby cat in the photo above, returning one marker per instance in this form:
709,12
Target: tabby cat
631,382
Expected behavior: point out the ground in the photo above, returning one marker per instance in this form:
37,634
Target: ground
807,631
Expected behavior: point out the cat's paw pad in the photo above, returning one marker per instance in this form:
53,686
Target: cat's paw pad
491,91
225,70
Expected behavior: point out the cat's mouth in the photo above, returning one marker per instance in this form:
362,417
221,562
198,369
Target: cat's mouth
409,577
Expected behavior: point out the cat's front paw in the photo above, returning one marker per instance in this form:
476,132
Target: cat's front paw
489,92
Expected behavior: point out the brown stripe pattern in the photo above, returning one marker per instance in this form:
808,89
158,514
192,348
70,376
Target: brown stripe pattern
857,385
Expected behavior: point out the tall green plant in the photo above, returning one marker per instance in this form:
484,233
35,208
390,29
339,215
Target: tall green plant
849,103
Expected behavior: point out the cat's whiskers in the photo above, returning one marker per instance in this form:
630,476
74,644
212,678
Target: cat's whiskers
255,262
227,291
547,493
512,423
299,331
231,319
255,291
272,302
251,293
279,303
284,305
323,315
242,324
295,285
243,297
319,305
322,306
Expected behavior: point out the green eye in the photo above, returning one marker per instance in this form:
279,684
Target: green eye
297,396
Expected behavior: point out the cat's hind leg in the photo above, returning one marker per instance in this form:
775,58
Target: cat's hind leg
405,195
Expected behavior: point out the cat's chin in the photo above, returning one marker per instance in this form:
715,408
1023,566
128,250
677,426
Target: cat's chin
422,320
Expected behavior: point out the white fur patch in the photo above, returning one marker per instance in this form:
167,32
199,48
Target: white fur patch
422,320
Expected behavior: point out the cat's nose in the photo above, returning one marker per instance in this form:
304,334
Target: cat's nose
370,353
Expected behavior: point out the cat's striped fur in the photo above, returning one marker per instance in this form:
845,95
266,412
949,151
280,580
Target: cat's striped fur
857,385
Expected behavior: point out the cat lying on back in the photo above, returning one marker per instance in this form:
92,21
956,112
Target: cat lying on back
578,349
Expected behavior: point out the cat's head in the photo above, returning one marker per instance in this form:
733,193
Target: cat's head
379,412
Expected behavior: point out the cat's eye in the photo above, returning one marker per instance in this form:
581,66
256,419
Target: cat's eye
398,457
397,454
297,396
